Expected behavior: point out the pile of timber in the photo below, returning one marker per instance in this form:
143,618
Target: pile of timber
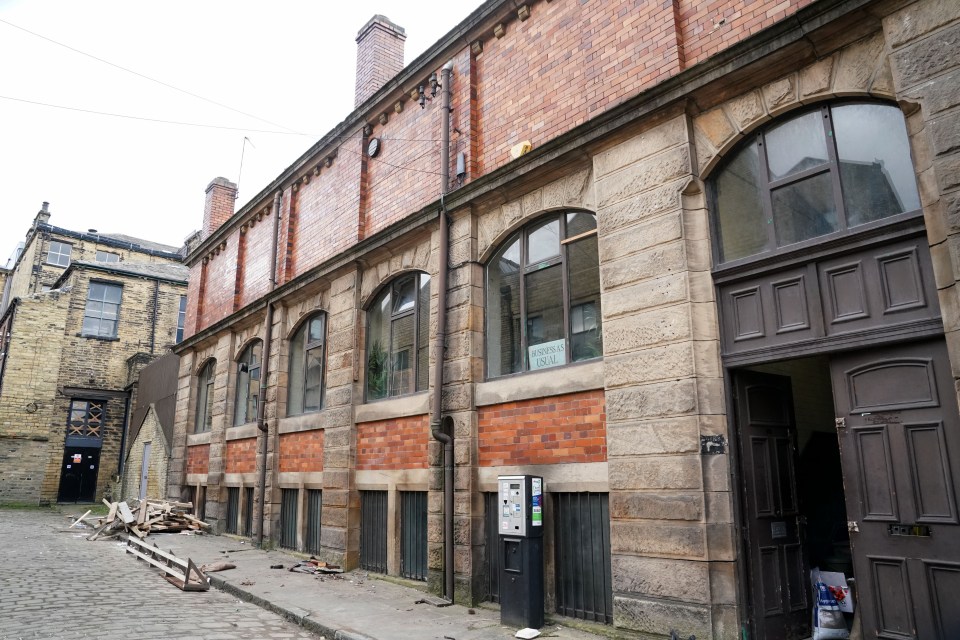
146,517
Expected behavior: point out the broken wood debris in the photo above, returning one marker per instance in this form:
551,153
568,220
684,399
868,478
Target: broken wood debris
315,566
182,573
144,518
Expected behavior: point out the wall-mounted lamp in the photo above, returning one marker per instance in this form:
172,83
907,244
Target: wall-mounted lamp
434,84
423,96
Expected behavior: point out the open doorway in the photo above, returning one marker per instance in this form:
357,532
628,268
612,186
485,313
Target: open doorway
793,501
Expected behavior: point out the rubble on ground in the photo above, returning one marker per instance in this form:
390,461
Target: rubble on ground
144,518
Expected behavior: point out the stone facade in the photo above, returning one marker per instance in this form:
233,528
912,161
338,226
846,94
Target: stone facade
52,361
633,420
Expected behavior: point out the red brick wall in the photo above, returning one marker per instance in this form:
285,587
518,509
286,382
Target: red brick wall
256,269
703,36
193,300
241,456
327,211
393,444
560,429
220,282
301,451
198,458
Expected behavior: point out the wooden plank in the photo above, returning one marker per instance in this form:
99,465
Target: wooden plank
80,519
197,520
164,567
157,551
125,513
113,512
142,514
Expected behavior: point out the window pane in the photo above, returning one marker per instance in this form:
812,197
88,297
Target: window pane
404,294
544,242
243,387
584,285
804,210
875,166
423,334
314,380
378,341
503,311
111,294
743,231
796,145
316,329
401,356
296,377
96,291
580,222
544,297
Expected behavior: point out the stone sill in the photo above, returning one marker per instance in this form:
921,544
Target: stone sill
198,438
103,338
248,430
572,378
303,422
415,404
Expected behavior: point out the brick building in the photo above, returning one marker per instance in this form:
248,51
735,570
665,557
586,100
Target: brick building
84,312
683,250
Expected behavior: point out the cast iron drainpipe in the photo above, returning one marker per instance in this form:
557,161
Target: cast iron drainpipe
442,428
265,367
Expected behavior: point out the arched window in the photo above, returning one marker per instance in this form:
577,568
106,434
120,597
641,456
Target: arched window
398,331
543,296
205,397
248,384
823,172
305,382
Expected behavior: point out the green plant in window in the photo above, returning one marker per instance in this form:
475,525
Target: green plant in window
376,371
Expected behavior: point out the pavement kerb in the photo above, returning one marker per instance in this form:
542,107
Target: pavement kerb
306,622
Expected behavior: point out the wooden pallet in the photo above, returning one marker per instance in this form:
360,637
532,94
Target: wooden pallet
182,573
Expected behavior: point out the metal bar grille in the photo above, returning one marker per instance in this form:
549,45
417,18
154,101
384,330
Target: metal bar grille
248,512
288,518
233,509
373,531
584,587
314,511
492,523
413,534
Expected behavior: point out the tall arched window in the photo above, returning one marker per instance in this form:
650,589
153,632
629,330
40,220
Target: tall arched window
824,172
398,333
543,296
248,384
305,382
204,417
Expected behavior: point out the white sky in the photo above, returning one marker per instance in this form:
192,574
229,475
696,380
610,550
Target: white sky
292,63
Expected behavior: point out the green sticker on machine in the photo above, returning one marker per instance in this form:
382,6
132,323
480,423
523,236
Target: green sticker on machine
537,516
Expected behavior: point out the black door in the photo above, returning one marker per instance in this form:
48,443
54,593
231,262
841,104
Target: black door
900,444
778,583
413,534
78,474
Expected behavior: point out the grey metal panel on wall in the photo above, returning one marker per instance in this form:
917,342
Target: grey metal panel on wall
413,535
288,518
314,514
491,525
582,532
248,512
373,531
853,293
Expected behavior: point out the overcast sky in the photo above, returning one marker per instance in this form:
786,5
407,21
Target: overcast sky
290,63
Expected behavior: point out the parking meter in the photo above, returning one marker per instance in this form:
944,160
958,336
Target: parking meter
521,550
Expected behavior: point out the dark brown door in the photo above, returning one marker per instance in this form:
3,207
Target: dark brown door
78,474
900,446
778,584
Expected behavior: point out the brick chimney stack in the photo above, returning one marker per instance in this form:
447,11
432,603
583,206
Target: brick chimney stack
43,216
221,198
379,56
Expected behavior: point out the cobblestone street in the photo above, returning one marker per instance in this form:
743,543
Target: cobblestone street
56,584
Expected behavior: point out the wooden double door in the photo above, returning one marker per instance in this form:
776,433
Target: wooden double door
899,437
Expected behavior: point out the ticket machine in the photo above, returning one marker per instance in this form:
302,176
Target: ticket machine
521,551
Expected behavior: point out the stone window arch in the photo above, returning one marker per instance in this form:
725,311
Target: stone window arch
543,295
307,358
398,334
833,170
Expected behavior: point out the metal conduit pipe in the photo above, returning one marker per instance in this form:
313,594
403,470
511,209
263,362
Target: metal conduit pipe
265,367
442,428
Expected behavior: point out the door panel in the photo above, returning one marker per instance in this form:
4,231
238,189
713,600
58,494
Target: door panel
899,434
78,474
778,568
